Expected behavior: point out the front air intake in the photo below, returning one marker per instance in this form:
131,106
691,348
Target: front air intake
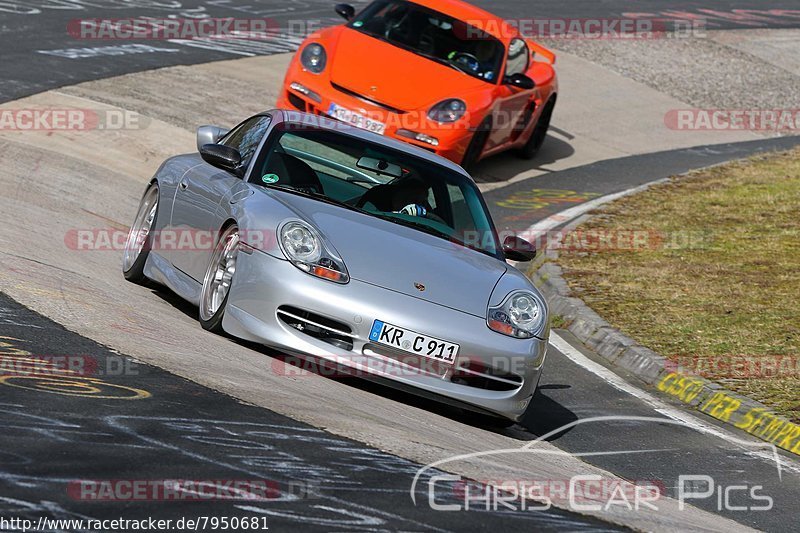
325,329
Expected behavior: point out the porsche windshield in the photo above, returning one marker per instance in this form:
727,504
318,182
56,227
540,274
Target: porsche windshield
377,181
433,35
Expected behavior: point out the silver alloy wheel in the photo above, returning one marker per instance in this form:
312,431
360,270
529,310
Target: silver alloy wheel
219,275
140,229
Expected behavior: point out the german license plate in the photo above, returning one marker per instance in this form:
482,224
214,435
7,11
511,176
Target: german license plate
413,342
356,119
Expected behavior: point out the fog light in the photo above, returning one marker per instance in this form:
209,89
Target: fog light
305,91
421,137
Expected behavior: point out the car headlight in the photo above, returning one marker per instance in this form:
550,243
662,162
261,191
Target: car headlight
522,314
305,248
448,110
314,58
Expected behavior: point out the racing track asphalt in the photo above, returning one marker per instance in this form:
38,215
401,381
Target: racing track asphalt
38,53
567,392
187,431
515,207
61,429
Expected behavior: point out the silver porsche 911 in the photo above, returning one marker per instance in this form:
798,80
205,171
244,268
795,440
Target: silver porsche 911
326,241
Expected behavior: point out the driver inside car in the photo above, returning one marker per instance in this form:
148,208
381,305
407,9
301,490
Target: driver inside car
482,62
411,197
408,195
486,53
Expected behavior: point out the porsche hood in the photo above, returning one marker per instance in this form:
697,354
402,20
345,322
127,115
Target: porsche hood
403,259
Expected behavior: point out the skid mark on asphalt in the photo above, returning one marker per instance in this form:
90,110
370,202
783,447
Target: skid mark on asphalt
59,447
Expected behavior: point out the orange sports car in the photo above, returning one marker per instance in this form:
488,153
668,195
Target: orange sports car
440,74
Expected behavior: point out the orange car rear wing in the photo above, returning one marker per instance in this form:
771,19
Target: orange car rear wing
541,50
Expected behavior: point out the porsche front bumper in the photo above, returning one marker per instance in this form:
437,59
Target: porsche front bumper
274,303
452,140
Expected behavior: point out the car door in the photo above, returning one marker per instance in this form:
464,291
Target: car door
511,102
196,212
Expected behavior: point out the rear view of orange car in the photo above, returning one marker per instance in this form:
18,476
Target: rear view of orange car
442,75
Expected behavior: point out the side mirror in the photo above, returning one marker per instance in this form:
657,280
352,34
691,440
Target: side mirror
517,249
222,156
209,135
520,81
346,11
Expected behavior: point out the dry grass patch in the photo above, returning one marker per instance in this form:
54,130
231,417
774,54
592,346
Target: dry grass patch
723,285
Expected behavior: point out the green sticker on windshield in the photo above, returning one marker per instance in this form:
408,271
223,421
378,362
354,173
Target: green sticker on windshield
270,178
358,24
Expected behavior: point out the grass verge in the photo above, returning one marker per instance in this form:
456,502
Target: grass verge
705,270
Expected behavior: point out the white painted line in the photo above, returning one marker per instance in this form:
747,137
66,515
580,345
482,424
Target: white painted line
663,408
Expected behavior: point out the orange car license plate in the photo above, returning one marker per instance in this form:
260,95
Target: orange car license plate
356,119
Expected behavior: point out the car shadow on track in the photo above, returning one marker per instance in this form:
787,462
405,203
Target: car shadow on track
176,301
506,165
544,416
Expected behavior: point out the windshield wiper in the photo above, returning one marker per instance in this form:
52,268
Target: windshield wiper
432,231
441,61
418,225
315,195
352,179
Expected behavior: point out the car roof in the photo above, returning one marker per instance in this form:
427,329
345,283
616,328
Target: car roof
317,121
492,24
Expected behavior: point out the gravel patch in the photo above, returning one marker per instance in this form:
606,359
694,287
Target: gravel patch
701,71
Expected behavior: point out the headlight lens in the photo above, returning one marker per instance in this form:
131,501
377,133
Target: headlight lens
299,243
448,110
522,314
314,58
304,247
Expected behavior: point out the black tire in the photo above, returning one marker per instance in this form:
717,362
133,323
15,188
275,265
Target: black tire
476,145
212,309
214,324
132,261
531,148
